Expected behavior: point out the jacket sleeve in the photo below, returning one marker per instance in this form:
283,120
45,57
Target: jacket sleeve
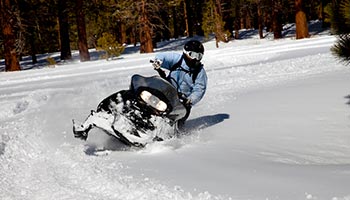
168,59
199,87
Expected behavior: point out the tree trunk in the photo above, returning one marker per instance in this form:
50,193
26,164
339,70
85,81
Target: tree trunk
82,40
176,32
322,14
8,22
64,30
186,19
190,17
32,45
276,23
123,35
237,21
146,39
260,20
302,30
218,28
145,31
242,19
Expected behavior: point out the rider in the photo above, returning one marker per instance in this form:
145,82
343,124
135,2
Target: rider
187,73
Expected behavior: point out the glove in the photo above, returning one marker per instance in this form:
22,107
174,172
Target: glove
156,63
184,100
188,102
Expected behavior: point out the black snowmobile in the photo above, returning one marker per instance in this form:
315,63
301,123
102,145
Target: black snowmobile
149,111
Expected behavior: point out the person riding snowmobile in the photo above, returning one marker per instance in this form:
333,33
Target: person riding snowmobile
186,73
133,115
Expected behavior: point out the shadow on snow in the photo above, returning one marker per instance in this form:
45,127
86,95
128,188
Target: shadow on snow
109,143
205,122
348,98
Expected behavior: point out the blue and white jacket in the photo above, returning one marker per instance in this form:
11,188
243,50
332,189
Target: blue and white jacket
181,79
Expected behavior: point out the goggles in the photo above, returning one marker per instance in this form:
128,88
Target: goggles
194,55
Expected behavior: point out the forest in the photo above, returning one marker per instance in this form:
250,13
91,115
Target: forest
32,27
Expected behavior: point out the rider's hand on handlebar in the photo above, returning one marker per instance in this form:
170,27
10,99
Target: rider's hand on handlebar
185,101
188,102
156,63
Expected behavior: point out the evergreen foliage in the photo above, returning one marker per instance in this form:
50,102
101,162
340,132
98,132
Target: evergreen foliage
209,18
147,22
342,48
213,21
345,12
109,45
51,62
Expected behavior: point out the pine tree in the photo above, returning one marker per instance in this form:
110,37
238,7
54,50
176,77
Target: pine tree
145,29
109,45
302,30
82,40
146,22
341,49
209,20
64,30
345,12
37,27
277,19
140,18
8,19
212,21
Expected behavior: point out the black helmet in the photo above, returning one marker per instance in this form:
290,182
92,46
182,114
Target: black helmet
193,52
194,49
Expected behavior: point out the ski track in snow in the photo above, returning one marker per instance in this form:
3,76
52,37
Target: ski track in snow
39,158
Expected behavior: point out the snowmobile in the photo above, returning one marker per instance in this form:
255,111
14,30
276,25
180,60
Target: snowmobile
148,111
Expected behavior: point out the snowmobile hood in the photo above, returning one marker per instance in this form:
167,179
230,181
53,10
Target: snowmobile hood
156,83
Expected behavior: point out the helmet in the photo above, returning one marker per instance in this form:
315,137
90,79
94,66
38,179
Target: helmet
194,49
193,53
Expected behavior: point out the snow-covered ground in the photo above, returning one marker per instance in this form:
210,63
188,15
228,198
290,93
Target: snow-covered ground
274,124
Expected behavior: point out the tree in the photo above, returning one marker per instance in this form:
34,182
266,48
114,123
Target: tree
37,27
109,45
82,40
125,18
212,21
277,19
334,17
237,13
141,18
30,19
220,34
145,29
8,20
209,18
173,5
64,30
345,12
341,48
29,16
260,18
186,17
302,30
47,25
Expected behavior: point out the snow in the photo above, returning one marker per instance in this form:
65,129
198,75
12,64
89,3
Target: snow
274,124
